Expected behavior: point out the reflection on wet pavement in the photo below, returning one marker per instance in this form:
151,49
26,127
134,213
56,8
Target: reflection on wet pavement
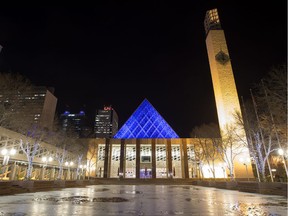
129,192
101,189
143,200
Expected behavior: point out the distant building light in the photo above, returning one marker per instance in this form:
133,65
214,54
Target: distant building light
107,108
66,112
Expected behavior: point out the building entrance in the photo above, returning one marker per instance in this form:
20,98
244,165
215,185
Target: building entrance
145,173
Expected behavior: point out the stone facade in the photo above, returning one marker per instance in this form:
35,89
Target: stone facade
157,158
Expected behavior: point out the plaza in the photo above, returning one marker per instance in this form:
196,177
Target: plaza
143,200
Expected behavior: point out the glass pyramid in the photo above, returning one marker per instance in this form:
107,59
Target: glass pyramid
145,122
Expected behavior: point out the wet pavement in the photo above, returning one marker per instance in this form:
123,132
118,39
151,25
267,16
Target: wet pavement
152,200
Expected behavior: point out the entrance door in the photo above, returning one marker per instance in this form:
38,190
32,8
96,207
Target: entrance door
146,173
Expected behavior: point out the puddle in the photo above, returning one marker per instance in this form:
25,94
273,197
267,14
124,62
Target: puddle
172,213
76,199
80,199
250,209
110,199
73,199
39,199
13,214
101,190
129,192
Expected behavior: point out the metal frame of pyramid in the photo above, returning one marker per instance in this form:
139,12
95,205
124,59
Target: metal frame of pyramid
145,122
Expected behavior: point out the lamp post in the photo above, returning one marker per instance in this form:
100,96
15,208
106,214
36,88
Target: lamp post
82,167
6,156
223,165
68,164
7,153
199,169
245,161
45,160
284,156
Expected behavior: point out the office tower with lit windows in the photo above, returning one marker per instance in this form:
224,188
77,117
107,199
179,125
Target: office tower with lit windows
106,122
75,124
36,105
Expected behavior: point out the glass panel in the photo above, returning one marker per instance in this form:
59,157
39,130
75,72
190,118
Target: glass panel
115,161
100,161
145,161
176,161
130,171
192,165
161,161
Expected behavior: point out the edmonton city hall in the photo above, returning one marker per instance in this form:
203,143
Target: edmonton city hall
147,147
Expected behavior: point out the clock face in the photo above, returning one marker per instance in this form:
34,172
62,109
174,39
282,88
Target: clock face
222,57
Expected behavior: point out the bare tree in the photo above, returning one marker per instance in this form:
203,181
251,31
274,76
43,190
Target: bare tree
274,86
208,141
265,119
70,148
259,139
79,147
63,143
91,156
35,134
231,147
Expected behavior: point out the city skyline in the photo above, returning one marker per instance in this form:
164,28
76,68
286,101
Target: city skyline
120,54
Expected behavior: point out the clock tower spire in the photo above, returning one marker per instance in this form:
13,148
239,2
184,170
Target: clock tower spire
225,92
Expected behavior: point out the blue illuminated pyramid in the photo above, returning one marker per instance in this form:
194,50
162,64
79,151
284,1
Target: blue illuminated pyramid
145,122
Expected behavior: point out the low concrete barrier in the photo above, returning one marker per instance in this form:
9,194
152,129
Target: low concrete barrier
268,188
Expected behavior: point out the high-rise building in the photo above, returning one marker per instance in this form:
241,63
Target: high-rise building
106,123
34,105
1,59
75,124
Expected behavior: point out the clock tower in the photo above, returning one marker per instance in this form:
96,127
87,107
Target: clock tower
225,92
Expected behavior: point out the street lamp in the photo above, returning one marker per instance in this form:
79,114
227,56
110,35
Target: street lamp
198,169
6,153
46,160
245,162
284,156
82,167
280,152
223,165
69,164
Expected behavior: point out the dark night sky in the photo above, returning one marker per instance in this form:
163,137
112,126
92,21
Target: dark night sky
121,53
